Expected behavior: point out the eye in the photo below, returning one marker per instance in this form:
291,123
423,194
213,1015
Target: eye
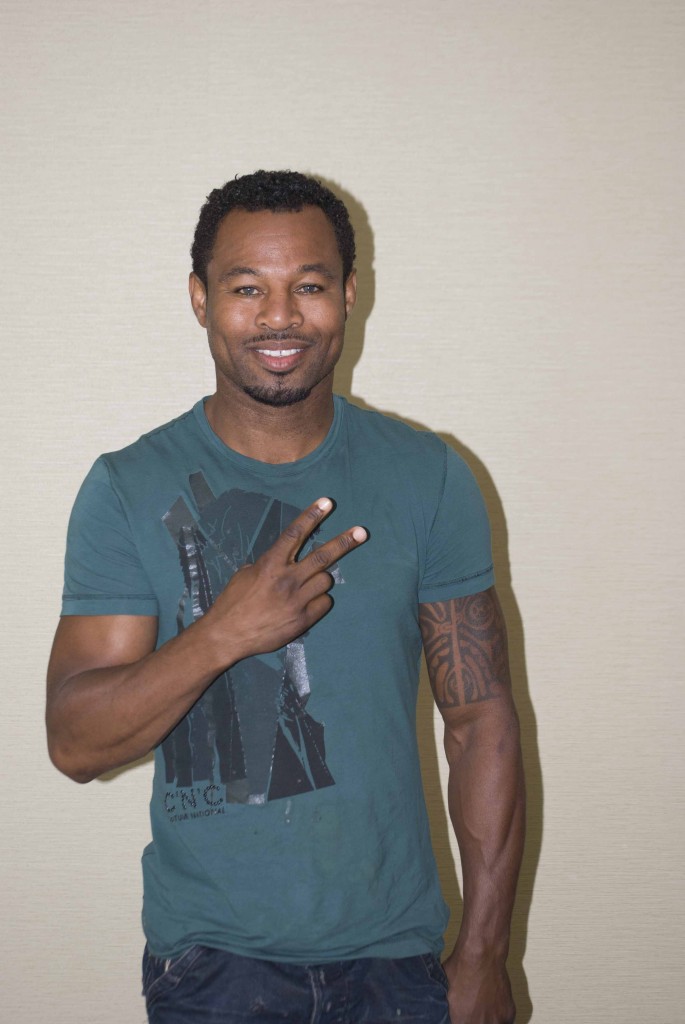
246,289
310,289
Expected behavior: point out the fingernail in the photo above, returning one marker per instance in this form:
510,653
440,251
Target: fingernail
359,534
324,504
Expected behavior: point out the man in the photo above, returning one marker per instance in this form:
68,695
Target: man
290,877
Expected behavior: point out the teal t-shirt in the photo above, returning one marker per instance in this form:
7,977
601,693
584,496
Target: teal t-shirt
288,818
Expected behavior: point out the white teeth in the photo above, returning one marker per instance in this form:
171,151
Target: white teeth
278,353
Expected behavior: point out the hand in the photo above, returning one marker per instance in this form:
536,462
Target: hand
479,992
275,600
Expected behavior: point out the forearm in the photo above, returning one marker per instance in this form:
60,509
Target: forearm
487,807
112,697
103,718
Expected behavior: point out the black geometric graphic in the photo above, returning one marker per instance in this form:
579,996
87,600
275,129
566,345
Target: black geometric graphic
250,731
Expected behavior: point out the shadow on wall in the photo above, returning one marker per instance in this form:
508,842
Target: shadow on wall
435,798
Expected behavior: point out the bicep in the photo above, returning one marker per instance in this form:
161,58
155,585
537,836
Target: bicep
86,642
465,642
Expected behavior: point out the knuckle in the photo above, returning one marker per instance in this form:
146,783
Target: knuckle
282,583
308,520
292,532
322,582
346,542
320,557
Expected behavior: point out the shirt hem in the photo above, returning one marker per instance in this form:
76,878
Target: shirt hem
462,587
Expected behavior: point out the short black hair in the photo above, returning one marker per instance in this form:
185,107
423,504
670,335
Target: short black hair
280,192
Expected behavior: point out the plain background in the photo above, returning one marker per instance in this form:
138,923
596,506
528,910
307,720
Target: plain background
515,172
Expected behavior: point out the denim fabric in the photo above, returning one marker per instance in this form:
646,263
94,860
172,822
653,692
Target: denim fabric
210,986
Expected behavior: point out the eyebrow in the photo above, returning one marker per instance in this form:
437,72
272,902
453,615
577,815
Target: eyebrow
317,268
306,268
237,272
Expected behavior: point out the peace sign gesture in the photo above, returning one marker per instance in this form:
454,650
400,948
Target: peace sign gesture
275,600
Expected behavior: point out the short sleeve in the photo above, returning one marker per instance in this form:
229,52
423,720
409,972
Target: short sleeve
103,574
459,554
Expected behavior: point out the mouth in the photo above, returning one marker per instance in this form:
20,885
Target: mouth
279,353
280,359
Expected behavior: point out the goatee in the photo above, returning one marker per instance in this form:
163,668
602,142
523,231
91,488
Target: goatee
277,395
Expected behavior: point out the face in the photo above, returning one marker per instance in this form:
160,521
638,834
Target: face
275,305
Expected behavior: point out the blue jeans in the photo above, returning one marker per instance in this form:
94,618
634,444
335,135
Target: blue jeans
205,985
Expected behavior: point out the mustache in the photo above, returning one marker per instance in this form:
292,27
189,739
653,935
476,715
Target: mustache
280,336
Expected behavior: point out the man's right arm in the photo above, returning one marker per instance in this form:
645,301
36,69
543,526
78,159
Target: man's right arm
112,697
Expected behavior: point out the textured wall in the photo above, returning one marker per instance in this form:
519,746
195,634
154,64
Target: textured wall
516,173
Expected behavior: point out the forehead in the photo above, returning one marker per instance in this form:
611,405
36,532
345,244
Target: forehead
275,242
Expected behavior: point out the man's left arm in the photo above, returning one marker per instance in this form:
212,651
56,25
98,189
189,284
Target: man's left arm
466,652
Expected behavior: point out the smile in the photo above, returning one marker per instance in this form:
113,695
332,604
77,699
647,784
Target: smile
281,353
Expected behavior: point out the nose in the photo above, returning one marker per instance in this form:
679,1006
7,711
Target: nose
279,311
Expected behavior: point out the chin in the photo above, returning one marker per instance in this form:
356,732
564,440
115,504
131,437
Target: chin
277,396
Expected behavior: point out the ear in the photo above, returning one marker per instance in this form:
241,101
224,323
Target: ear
350,292
198,299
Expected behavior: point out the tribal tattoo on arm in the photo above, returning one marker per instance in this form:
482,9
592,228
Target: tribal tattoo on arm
465,641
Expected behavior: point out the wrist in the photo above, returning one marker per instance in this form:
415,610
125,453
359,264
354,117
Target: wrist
215,647
477,952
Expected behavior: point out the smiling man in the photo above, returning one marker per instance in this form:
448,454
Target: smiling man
290,876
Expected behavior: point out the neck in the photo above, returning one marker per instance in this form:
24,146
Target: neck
272,434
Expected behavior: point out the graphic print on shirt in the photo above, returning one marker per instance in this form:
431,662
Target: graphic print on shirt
249,738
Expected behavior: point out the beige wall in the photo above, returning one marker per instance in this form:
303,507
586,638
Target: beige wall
517,171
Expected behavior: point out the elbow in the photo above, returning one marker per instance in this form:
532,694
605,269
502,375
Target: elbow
491,725
80,777
67,763
63,750
72,772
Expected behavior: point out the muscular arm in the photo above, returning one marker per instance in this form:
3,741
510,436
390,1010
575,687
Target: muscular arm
466,652
111,697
